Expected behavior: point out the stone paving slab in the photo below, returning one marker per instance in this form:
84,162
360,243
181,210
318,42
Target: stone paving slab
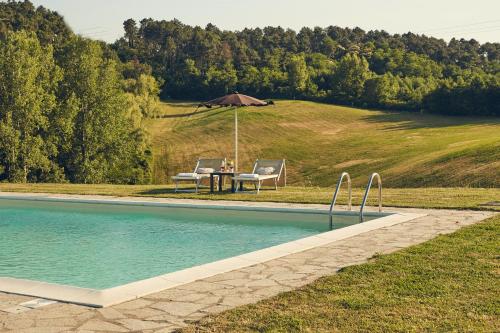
173,308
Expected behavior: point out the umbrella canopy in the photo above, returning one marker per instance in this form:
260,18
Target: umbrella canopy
235,99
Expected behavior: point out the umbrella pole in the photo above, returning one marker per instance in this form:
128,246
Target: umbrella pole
235,139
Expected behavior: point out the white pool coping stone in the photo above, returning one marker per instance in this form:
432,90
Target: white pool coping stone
130,291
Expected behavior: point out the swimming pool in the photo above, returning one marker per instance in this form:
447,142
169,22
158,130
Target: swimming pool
101,246
101,251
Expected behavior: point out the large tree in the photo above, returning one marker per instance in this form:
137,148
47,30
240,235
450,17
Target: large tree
102,142
349,78
298,76
28,81
48,25
130,27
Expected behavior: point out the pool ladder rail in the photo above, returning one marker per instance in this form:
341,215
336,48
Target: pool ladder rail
334,199
349,189
365,197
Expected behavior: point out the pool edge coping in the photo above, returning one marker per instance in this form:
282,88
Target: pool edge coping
130,291
175,203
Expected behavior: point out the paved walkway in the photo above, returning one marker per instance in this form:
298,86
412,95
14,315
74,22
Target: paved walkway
174,308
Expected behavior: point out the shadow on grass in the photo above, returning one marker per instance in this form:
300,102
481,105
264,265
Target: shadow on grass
159,191
413,120
184,115
219,111
180,103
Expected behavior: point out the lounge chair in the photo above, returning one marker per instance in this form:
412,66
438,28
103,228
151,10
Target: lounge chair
204,167
263,170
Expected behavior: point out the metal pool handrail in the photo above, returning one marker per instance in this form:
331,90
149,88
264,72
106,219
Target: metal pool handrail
379,181
334,200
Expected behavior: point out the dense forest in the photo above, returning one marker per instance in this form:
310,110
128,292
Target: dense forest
72,108
338,65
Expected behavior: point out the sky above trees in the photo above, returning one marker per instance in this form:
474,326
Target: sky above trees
443,19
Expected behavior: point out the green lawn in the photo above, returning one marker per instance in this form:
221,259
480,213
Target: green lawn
449,284
456,198
319,141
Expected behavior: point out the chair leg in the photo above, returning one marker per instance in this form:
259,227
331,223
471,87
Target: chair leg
176,186
197,185
276,184
258,187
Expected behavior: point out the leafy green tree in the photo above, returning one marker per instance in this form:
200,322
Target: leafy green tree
304,39
329,47
349,78
273,81
130,27
481,97
412,90
382,91
221,81
48,25
320,68
250,80
187,81
103,147
298,76
134,69
144,91
170,51
28,80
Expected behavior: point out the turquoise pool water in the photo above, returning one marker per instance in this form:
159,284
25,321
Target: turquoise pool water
105,245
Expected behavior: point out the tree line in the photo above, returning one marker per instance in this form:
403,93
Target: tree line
70,110
333,64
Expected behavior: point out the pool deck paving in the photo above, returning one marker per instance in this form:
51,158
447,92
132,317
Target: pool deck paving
170,309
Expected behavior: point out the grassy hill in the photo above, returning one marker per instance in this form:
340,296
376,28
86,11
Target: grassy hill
319,141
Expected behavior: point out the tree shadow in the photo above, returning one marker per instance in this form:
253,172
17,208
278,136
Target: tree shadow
196,112
160,191
404,120
184,115
220,110
180,103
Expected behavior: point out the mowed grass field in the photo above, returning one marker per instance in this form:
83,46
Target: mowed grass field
319,141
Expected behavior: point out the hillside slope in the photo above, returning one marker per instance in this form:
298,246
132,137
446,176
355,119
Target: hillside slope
319,141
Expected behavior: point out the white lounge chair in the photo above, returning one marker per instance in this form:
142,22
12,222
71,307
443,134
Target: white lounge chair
263,170
204,167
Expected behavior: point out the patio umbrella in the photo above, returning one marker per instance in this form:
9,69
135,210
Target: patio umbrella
236,100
